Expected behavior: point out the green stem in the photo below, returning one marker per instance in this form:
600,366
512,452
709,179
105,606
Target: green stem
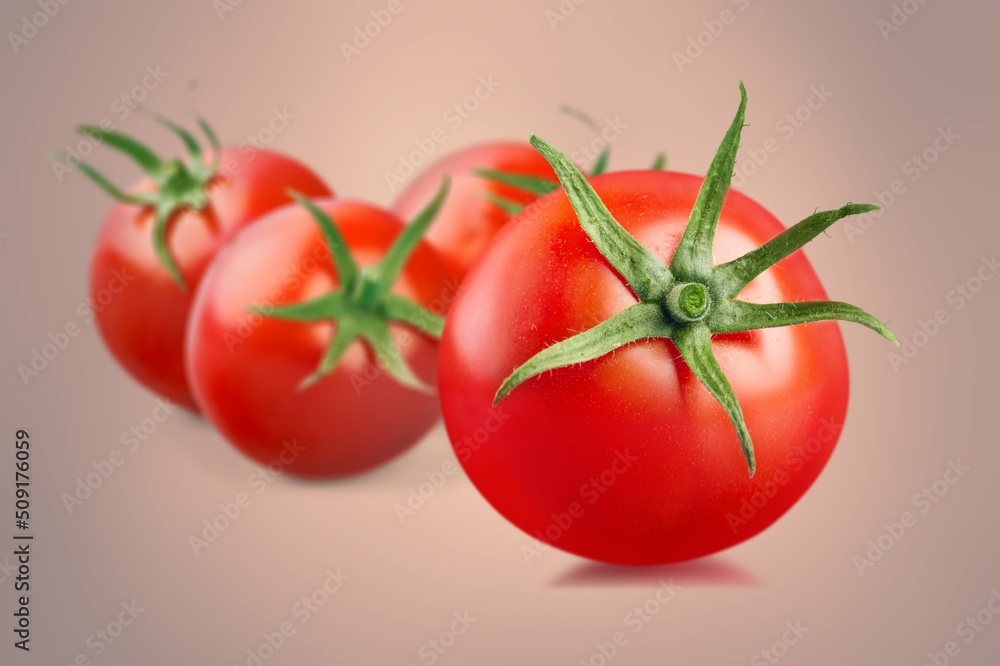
178,185
363,307
688,301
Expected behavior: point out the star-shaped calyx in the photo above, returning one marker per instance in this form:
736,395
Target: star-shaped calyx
178,184
363,305
688,300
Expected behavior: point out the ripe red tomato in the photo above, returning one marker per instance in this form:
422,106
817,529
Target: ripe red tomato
563,432
623,455
247,367
472,215
140,305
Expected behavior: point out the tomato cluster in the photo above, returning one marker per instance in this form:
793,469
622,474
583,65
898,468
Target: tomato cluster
620,367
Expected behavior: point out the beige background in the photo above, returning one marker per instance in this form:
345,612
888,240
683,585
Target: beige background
129,541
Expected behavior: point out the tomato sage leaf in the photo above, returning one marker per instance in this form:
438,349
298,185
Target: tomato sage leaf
347,331
142,155
695,345
388,269
347,268
510,207
400,308
389,357
648,277
693,257
729,279
737,316
532,184
639,322
194,150
161,228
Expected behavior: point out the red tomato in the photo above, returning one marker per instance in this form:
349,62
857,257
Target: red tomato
247,370
140,308
469,218
628,458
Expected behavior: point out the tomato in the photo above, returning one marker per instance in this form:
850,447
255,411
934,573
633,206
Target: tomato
618,438
274,307
475,208
151,254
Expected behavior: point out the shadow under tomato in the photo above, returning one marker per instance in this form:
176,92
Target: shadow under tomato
408,469
707,571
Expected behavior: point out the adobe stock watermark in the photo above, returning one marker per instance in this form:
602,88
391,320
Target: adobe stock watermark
32,24
701,41
966,631
292,279
121,107
453,118
435,647
785,128
131,441
223,8
104,637
900,15
586,155
41,357
912,170
366,33
794,631
923,501
279,121
794,462
418,496
301,612
257,483
957,299
562,12
583,156
634,622
592,490
7,570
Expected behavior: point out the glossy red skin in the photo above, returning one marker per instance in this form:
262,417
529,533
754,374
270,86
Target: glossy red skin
144,324
542,281
468,221
246,370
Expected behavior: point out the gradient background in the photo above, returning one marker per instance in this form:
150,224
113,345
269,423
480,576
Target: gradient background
353,121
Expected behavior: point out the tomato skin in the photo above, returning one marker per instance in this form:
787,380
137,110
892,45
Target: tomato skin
628,459
141,312
246,369
468,221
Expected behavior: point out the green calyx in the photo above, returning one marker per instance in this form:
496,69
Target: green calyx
179,185
689,300
363,305
541,186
